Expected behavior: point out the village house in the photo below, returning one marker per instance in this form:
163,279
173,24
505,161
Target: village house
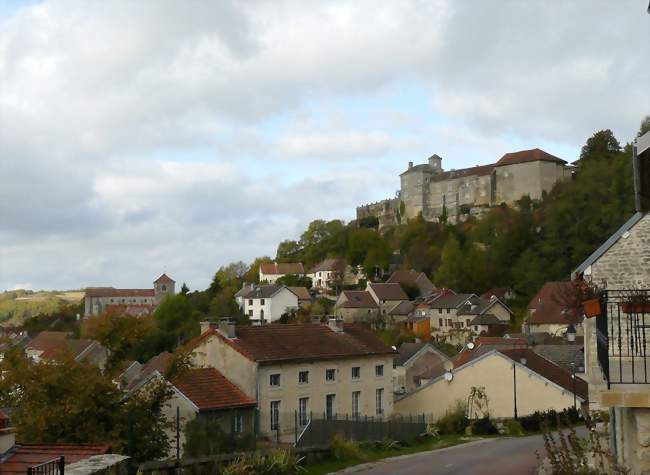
616,341
328,274
412,278
271,271
386,296
53,347
293,371
135,301
413,359
517,382
356,306
552,310
135,375
267,303
207,395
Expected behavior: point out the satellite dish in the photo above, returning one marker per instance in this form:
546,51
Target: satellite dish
470,345
394,347
449,376
448,365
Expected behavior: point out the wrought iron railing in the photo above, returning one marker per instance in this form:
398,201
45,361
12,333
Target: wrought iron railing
623,336
52,467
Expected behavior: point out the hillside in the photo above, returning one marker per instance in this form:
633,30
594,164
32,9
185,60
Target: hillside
17,305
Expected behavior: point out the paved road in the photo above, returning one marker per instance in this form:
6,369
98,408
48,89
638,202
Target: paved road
511,456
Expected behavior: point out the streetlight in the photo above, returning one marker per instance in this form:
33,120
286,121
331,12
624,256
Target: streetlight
522,360
573,376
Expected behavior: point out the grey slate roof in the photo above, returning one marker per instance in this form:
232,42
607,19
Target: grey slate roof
402,308
487,319
563,355
451,300
262,291
406,352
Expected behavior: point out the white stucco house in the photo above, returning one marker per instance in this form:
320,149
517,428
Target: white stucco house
272,271
267,303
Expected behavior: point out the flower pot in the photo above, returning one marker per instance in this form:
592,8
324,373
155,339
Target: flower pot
635,307
591,307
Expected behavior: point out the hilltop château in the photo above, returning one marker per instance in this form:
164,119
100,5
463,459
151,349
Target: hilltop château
430,190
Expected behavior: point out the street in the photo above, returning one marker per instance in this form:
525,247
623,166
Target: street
512,456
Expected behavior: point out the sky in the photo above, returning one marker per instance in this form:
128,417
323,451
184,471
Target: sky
179,136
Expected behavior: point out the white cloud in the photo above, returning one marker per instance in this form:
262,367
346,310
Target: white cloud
92,94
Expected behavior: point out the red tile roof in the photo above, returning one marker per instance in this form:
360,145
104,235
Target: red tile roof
54,344
329,265
208,389
28,455
301,292
113,292
554,303
300,342
524,156
388,291
164,279
358,299
273,268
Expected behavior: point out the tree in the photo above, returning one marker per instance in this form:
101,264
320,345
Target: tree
645,126
120,333
292,280
450,272
602,144
176,320
185,289
73,402
253,274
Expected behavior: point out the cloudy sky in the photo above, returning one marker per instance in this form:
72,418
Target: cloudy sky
142,136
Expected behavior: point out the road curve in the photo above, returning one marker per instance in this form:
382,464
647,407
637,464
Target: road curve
511,456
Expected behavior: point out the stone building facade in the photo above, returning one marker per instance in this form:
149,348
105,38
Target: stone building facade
135,301
428,189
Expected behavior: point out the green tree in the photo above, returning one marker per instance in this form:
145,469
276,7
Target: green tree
602,145
292,280
451,271
645,126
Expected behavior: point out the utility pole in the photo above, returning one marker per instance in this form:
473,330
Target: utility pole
514,386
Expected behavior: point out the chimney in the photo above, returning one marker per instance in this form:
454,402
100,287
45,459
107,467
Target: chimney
335,324
7,434
641,164
410,165
227,328
205,326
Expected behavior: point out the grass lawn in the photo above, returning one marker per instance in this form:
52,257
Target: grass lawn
367,455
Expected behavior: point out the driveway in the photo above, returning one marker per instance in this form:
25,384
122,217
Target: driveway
511,456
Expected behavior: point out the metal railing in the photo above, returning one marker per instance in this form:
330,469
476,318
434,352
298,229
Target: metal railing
52,467
623,335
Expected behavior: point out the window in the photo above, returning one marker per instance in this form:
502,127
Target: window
330,374
238,424
274,380
303,377
329,405
261,314
379,370
275,415
448,310
261,301
440,322
250,301
467,322
379,401
449,322
356,372
439,310
475,328
164,288
303,404
356,395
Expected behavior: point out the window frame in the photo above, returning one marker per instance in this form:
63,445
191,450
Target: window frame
329,371
302,411
379,401
358,371
379,371
275,415
356,398
271,378
300,374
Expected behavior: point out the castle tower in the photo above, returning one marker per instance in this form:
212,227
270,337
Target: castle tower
162,287
435,163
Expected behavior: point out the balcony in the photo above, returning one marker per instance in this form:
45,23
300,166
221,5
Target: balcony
623,336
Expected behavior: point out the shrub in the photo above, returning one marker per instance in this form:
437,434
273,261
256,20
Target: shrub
513,427
538,420
454,421
344,449
280,462
484,426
